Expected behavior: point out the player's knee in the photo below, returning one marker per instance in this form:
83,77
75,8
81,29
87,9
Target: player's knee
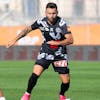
65,78
34,76
33,79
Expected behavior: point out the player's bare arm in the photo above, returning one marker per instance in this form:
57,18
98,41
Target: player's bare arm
67,41
21,34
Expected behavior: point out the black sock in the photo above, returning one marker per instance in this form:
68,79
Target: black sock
32,82
64,88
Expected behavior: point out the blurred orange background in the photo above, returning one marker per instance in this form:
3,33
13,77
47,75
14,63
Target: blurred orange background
83,35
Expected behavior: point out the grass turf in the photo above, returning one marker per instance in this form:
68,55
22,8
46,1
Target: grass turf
85,82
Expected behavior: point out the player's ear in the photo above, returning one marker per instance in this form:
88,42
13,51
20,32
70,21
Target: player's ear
57,12
45,12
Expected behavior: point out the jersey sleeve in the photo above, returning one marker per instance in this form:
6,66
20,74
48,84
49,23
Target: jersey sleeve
35,25
66,29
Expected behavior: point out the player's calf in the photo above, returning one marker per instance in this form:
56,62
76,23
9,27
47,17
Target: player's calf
64,88
32,82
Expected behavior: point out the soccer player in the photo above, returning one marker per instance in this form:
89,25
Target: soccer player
56,35
1,95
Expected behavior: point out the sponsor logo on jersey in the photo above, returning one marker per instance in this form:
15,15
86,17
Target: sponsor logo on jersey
61,63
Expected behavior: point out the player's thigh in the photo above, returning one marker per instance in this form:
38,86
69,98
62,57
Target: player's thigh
38,69
61,66
65,78
40,66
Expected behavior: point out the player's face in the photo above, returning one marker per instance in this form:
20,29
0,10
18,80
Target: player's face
51,14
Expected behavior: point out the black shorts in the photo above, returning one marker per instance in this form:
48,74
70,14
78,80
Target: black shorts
57,58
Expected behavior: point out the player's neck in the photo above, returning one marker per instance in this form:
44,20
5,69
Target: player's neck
52,22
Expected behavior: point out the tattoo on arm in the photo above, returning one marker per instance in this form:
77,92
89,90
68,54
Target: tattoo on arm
24,32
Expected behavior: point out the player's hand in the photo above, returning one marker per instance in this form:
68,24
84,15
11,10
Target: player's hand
11,43
53,42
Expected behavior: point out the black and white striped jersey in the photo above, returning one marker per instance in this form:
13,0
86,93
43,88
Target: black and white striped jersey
51,32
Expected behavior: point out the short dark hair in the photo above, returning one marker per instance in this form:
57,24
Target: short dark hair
51,5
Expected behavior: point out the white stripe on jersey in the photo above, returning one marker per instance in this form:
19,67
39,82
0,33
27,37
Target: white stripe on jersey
62,22
40,21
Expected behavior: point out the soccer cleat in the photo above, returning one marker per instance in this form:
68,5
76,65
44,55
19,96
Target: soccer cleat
62,97
26,97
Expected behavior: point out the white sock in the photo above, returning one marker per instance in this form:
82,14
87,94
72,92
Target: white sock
2,98
27,93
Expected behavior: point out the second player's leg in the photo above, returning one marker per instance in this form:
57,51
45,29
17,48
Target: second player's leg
1,95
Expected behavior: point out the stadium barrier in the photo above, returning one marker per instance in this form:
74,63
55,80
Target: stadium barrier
83,35
82,53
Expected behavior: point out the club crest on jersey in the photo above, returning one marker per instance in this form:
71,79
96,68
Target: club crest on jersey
58,30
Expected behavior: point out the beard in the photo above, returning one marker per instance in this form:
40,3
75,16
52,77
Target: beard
52,20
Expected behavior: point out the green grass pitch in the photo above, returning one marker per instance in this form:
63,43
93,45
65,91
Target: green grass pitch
85,81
